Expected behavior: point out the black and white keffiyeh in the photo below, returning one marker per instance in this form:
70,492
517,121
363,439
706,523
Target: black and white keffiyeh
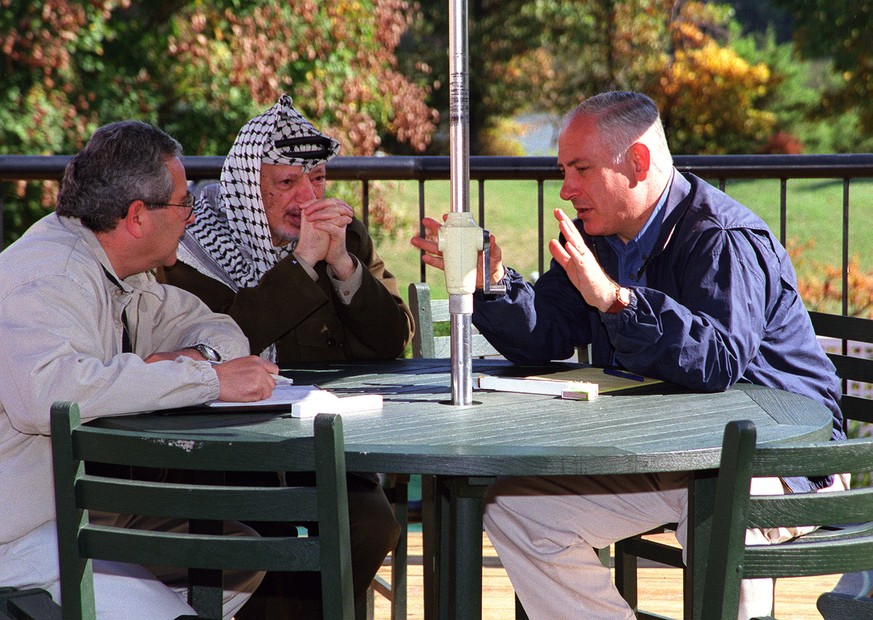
230,239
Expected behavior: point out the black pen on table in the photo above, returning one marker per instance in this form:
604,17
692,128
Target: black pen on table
615,372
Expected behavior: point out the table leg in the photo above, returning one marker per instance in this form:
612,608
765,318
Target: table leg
430,533
701,503
445,549
457,578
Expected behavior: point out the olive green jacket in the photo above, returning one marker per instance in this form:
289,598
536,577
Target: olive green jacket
305,318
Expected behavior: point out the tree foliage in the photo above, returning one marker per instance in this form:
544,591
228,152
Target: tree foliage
610,45
840,33
548,55
821,285
543,55
335,58
200,69
711,97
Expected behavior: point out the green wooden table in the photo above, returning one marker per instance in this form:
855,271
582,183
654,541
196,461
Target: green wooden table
655,429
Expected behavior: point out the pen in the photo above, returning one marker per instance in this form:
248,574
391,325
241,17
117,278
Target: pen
280,380
623,374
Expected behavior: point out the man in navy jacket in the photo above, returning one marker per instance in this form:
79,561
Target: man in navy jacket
665,276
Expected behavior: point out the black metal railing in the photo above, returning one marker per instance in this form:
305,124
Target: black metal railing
845,168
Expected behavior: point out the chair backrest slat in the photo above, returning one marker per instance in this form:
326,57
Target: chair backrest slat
857,408
855,368
202,551
188,452
427,313
802,559
816,459
841,326
192,501
798,509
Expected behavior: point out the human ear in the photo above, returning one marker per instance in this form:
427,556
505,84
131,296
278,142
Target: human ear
641,158
134,221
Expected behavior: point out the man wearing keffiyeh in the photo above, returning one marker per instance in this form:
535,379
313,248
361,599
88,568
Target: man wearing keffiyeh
299,274
296,270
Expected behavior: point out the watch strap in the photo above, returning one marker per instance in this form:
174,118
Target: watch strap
619,304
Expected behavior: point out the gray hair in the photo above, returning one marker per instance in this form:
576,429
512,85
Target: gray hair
623,118
122,162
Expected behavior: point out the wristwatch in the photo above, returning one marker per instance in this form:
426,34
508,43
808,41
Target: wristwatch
619,304
208,353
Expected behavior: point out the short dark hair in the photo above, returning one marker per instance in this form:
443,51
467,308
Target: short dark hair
122,162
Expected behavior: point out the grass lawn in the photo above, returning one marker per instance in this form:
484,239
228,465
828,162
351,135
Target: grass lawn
814,216
815,212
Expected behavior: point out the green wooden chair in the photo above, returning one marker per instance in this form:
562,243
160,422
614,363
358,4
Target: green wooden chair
853,366
427,313
28,604
854,369
206,506
824,552
851,343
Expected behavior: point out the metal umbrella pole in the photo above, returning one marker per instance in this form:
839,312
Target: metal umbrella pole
460,237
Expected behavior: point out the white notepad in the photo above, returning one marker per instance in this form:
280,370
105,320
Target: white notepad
308,400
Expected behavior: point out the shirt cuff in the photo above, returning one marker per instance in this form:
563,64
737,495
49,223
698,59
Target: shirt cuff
347,288
309,269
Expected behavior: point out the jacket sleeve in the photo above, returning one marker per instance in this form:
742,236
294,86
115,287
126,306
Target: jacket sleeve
704,337
284,297
377,322
174,319
534,324
60,342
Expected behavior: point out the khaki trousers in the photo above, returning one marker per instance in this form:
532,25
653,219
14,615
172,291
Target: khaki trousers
545,531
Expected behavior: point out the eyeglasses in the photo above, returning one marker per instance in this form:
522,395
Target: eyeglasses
189,204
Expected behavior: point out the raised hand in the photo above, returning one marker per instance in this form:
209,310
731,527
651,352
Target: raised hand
586,274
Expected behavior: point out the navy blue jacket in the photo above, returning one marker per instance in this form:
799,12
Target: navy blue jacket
720,306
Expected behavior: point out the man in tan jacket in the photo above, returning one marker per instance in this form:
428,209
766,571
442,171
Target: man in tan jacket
83,319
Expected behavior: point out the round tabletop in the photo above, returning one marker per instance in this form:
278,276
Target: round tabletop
656,428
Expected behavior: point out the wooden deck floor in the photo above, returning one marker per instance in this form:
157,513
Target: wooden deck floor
659,590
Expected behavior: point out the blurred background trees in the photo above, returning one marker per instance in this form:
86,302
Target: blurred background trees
740,76
200,69
729,76
732,77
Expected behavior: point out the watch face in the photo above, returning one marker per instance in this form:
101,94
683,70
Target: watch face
208,352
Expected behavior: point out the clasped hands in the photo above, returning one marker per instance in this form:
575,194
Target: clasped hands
323,225
586,274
